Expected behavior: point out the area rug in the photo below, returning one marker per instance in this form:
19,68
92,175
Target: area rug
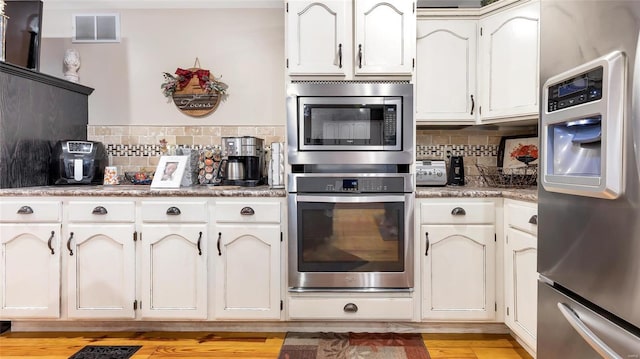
353,346
106,352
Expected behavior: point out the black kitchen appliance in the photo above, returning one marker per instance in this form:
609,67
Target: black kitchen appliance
244,161
78,162
456,171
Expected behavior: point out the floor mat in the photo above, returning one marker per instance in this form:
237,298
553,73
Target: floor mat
106,352
353,345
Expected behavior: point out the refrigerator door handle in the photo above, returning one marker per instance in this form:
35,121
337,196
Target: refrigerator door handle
596,343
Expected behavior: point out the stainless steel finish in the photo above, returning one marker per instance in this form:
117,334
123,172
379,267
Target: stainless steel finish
596,343
350,280
350,290
403,156
242,146
431,173
558,339
589,247
293,178
234,169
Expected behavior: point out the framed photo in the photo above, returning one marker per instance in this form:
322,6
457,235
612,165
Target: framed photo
169,172
518,151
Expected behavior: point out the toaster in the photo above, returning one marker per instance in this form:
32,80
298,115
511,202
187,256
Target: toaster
78,162
431,173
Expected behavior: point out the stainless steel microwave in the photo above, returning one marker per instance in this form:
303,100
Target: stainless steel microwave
365,123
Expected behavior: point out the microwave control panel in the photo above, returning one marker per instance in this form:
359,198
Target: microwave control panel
580,89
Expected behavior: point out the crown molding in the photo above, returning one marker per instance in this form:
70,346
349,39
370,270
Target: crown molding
160,4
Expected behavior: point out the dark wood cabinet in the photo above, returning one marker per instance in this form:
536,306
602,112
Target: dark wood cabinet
36,110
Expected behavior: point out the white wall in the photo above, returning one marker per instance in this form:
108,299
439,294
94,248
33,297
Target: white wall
244,46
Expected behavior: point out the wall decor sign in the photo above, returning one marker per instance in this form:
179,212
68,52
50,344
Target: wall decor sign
194,91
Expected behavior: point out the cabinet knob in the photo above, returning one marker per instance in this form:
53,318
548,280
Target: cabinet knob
247,211
534,219
458,211
25,210
173,211
99,210
350,308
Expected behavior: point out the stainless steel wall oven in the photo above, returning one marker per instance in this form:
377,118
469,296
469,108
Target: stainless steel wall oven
350,188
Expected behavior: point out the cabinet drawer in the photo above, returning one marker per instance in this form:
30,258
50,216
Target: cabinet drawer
30,211
267,212
523,217
457,213
99,211
336,308
174,211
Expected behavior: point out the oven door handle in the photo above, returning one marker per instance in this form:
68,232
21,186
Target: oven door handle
351,199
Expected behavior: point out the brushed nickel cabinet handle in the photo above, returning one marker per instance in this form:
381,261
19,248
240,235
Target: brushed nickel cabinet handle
218,244
247,211
25,210
99,210
173,211
458,211
199,239
49,242
350,308
534,219
69,244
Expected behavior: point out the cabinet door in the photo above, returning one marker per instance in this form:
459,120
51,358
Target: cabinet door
521,285
458,273
385,34
101,270
446,71
174,271
248,272
30,271
509,55
317,37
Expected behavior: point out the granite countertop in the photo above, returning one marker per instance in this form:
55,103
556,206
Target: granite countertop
524,194
145,191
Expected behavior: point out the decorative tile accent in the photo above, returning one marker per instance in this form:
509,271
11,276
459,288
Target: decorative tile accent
442,151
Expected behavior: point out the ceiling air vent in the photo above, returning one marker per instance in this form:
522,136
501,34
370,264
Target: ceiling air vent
96,28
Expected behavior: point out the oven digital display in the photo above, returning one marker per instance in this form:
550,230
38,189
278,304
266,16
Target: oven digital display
350,184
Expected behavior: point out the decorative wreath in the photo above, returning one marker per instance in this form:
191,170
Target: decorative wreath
208,83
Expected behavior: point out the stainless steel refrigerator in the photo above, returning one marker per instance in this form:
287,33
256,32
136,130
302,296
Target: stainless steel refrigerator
589,192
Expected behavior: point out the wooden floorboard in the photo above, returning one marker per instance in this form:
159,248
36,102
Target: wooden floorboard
57,345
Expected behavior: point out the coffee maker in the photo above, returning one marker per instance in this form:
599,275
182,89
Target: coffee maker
243,163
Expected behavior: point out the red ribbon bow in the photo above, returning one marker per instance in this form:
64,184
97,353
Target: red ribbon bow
186,75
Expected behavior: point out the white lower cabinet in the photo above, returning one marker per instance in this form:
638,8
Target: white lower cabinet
332,306
248,260
30,270
521,277
99,250
457,244
173,259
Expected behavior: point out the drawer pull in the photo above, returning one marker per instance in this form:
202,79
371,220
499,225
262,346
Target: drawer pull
25,210
218,244
199,239
458,211
99,210
426,252
49,242
173,211
350,308
69,244
247,211
534,219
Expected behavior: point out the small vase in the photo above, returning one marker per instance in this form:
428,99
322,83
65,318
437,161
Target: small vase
71,65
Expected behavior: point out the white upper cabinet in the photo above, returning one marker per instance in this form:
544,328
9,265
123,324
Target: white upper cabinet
345,38
446,71
384,37
317,38
509,59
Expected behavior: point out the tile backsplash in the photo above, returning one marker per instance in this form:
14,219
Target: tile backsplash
133,148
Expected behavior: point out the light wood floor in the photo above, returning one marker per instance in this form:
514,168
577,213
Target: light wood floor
50,345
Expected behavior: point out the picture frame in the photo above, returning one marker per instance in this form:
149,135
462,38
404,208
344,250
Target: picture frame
518,151
169,172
